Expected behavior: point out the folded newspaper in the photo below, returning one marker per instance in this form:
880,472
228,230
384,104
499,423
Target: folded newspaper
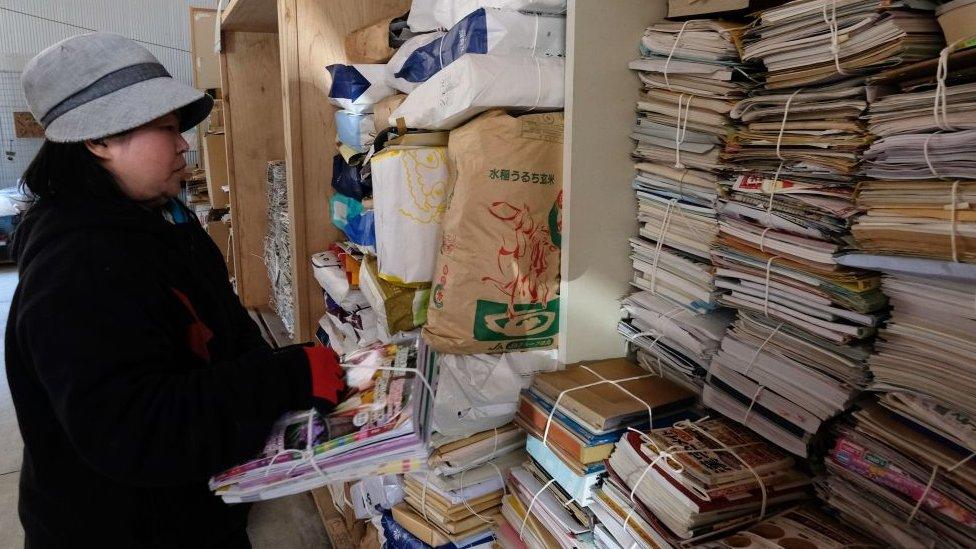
372,432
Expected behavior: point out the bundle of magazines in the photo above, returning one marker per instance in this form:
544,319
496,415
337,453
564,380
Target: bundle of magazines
374,431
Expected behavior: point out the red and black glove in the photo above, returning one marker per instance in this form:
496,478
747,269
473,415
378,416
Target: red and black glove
327,377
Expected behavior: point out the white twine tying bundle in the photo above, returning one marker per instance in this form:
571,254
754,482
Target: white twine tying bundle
954,205
667,63
779,155
665,225
834,37
681,128
931,482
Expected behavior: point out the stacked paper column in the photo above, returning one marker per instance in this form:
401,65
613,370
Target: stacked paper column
795,356
903,465
691,79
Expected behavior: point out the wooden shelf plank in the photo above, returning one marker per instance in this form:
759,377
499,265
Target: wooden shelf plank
250,16
599,208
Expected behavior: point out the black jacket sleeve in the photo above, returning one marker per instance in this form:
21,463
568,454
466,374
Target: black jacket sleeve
100,347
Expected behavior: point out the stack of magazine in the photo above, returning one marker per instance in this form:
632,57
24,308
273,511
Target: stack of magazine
373,432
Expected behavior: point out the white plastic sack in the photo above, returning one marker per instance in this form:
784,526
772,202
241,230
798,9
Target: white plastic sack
401,56
476,83
356,88
448,12
480,392
345,337
356,131
330,274
421,18
409,192
482,31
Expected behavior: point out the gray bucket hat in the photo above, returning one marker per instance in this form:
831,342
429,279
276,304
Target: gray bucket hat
100,84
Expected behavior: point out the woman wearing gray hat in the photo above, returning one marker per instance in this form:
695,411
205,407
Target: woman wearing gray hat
135,372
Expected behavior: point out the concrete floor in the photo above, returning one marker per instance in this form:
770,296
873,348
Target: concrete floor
286,523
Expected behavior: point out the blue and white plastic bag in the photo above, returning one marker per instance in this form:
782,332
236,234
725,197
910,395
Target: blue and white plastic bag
356,88
357,222
476,83
482,31
356,131
448,12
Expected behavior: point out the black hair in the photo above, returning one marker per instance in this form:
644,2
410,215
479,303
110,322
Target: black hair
63,169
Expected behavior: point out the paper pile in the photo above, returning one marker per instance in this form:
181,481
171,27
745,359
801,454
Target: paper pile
901,470
573,418
373,432
806,42
805,524
691,79
920,199
683,484
277,247
796,355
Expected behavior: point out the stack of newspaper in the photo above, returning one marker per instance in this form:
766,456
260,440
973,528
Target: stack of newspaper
684,484
691,77
807,42
796,355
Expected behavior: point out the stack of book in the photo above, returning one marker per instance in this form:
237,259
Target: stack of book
684,484
573,417
374,431
457,504
902,470
805,525
691,79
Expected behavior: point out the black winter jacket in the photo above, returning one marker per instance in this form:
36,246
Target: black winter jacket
136,375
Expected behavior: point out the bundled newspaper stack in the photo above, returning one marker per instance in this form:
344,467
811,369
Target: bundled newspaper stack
691,482
374,431
796,355
691,79
902,465
922,187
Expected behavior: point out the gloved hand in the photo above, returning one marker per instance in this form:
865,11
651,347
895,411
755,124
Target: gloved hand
327,377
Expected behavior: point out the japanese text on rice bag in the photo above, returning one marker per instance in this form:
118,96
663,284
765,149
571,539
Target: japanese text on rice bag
496,281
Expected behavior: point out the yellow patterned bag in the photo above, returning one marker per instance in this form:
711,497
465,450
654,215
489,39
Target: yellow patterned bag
409,188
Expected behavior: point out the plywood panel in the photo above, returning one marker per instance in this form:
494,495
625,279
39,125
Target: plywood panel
599,205
250,16
215,159
319,31
253,130
206,63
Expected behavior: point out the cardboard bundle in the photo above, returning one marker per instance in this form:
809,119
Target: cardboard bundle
496,280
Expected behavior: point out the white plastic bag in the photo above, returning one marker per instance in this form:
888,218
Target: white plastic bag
448,12
401,56
421,18
478,82
480,392
331,276
491,31
356,88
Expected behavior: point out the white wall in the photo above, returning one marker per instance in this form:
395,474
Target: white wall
29,26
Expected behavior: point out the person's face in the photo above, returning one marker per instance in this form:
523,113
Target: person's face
147,162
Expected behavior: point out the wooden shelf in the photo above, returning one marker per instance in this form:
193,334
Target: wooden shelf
250,16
